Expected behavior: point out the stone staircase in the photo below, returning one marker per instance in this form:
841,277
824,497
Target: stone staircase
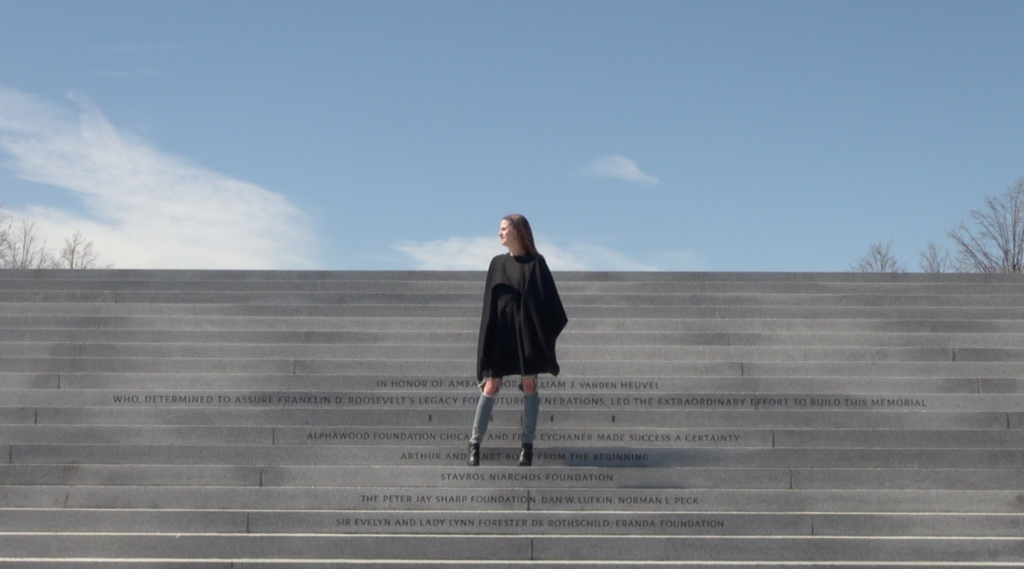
154,419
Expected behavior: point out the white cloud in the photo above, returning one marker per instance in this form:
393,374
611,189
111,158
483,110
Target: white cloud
146,209
452,254
618,168
475,253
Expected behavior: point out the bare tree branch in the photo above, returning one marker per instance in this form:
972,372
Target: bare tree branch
78,253
996,245
878,259
5,231
935,260
25,249
22,247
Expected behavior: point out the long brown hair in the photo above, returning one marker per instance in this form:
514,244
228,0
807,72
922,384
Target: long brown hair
524,234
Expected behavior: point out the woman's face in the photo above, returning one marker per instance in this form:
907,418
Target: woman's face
508,235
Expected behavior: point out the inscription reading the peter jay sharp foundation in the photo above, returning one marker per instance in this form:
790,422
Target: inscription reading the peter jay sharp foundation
391,500
444,499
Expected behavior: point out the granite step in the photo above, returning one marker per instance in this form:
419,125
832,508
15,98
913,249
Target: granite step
569,418
495,523
192,319
256,418
562,396
94,338
794,479
507,498
253,547
465,368
579,437
633,384
641,285
608,456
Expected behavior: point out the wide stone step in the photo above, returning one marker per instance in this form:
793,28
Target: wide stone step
465,368
392,416
418,564
569,395
60,338
634,384
474,285
530,547
490,523
555,455
12,350
537,478
509,498
581,438
472,311
97,317
262,418
453,298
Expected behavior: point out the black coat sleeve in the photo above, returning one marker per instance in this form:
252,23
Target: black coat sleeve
543,319
485,322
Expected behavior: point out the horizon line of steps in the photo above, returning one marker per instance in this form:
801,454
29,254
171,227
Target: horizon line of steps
293,419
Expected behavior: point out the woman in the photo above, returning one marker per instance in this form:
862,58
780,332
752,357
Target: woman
522,317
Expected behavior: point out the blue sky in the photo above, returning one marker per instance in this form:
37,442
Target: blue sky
725,135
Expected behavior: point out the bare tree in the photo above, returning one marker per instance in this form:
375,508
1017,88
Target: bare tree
878,259
997,244
78,253
5,230
23,248
935,260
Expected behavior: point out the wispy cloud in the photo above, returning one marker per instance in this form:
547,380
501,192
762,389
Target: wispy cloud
147,209
452,254
617,167
474,253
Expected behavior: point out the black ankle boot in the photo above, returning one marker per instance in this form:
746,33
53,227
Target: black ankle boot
526,455
474,454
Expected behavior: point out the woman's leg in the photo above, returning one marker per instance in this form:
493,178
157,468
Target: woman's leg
483,409
531,409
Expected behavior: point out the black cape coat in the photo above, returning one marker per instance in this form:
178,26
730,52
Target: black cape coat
539,315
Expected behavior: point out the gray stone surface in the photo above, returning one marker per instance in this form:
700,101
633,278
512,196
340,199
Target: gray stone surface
899,439
534,478
934,525
127,475
498,435
778,549
263,498
124,563
158,416
507,455
965,478
532,523
137,435
16,416
635,384
395,415
571,394
274,547
109,520
391,499
576,565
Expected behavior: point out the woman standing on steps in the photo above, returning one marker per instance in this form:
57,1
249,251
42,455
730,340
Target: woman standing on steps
522,317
